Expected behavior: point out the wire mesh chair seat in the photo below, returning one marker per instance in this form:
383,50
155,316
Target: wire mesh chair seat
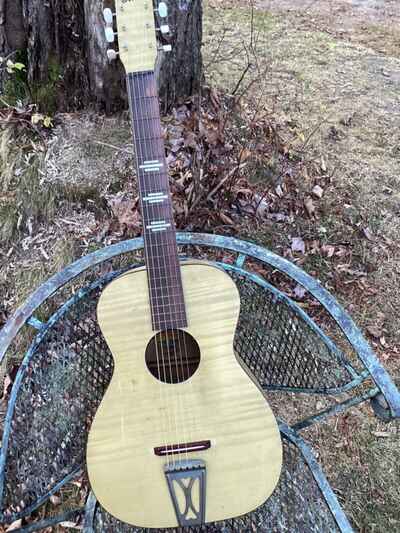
68,366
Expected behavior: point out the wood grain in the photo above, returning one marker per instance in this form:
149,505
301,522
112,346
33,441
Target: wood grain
219,402
136,34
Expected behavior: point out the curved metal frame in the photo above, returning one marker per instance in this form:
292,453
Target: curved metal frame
385,391
243,249
43,329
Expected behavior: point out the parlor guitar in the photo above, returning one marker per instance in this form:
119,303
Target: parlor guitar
183,436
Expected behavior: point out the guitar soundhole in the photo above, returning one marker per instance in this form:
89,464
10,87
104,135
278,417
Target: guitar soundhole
172,356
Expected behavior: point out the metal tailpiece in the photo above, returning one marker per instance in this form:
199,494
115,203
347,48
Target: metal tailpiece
188,495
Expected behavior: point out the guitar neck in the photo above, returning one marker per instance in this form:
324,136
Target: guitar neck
162,262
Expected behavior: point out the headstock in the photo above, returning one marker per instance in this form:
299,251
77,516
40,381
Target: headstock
136,33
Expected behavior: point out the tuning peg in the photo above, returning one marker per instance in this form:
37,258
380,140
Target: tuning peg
164,29
108,16
162,10
166,48
112,54
110,35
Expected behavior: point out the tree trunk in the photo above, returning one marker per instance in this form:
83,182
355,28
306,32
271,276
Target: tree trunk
66,52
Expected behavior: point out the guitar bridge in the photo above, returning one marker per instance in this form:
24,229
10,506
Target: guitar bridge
187,487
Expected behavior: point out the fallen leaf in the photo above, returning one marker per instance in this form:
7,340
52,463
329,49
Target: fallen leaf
299,292
72,525
374,331
298,245
55,500
126,213
310,207
7,385
368,234
318,191
245,154
226,219
328,250
15,525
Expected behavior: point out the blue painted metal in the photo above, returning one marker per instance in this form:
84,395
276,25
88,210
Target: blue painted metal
329,495
353,334
43,524
240,261
90,509
364,376
335,410
35,323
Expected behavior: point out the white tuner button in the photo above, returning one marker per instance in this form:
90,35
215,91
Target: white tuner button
110,35
108,16
164,28
112,55
163,10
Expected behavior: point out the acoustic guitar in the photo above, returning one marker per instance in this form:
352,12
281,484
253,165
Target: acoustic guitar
183,435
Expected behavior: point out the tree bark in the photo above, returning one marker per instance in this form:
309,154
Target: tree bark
66,51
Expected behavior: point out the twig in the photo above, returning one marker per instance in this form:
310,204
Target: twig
239,83
224,180
114,147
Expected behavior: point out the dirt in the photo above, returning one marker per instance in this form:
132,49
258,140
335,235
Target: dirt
347,13
372,23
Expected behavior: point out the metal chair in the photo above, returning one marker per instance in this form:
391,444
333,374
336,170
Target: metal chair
67,367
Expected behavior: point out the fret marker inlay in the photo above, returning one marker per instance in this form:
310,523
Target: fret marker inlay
155,197
158,225
152,166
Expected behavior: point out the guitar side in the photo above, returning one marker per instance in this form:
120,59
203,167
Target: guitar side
218,403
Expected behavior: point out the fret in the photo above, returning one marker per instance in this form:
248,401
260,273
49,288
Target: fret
168,300
171,311
144,117
154,287
174,324
153,138
142,128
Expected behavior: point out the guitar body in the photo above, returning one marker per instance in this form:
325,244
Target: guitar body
219,403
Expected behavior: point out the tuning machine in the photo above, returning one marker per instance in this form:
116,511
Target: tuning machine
112,54
164,29
108,16
162,10
165,48
110,34
109,29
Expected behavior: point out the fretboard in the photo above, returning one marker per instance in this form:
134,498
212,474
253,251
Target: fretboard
161,253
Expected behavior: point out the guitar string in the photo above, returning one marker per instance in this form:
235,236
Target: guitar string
182,352
153,103
138,153
171,414
154,295
173,254
159,334
172,267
